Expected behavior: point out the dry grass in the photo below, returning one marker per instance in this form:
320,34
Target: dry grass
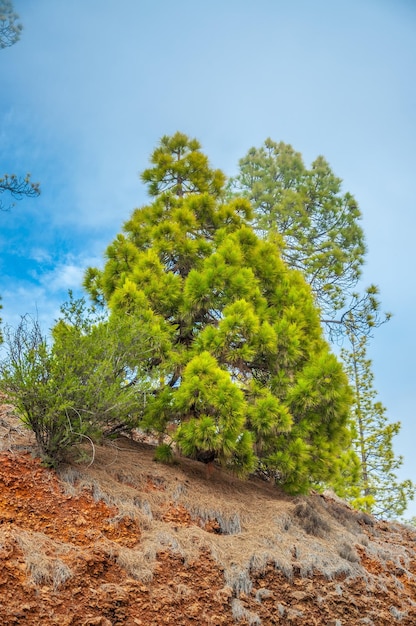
138,564
241,613
41,555
257,525
311,520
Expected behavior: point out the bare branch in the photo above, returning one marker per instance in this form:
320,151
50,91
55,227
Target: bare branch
18,187
10,28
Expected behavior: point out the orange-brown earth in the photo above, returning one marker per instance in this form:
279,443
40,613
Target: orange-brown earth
118,539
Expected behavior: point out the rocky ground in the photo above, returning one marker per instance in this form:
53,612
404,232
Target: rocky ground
115,538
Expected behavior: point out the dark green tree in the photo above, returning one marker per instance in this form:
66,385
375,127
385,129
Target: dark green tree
378,489
319,224
248,377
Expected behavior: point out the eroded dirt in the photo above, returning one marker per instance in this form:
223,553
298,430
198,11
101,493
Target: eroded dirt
127,541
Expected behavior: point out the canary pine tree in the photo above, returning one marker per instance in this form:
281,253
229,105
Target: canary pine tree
378,489
319,224
248,377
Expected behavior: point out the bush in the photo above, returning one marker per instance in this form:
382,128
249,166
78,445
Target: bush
82,384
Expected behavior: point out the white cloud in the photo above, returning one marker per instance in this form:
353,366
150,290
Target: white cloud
68,273
63,276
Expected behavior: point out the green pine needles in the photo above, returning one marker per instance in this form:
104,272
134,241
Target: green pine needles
377,488
245,375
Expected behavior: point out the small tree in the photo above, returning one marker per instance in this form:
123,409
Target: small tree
378,489
84,384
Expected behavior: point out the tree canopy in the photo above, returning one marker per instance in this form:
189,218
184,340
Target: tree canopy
322,237
319,225
247,376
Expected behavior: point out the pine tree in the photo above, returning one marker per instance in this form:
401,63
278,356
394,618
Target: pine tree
319,224
248,377
378,489
320,228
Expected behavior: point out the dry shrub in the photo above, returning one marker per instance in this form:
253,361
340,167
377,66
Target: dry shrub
310,520
342,514
364,518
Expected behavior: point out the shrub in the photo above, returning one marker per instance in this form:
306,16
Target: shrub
78,386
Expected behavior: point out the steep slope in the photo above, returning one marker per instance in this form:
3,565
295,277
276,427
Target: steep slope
124,540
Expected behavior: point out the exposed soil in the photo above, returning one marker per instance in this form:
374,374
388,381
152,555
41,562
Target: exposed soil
124,540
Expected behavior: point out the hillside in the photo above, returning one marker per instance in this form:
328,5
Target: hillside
124,540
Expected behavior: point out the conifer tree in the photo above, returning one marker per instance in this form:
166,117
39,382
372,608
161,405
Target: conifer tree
320,228
248,378
319,224
378,489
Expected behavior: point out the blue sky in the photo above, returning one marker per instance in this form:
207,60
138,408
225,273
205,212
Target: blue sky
92,86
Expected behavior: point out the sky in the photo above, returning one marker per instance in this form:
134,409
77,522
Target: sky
92,85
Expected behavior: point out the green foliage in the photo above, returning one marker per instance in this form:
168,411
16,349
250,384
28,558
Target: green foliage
84,384
246,375
377,490
180,166
164,454
322,237
319,224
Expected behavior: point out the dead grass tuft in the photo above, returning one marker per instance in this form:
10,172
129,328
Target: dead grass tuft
347,552
398,615
241,613
310,520
239,580
227,524
263,594
138,563
44,568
